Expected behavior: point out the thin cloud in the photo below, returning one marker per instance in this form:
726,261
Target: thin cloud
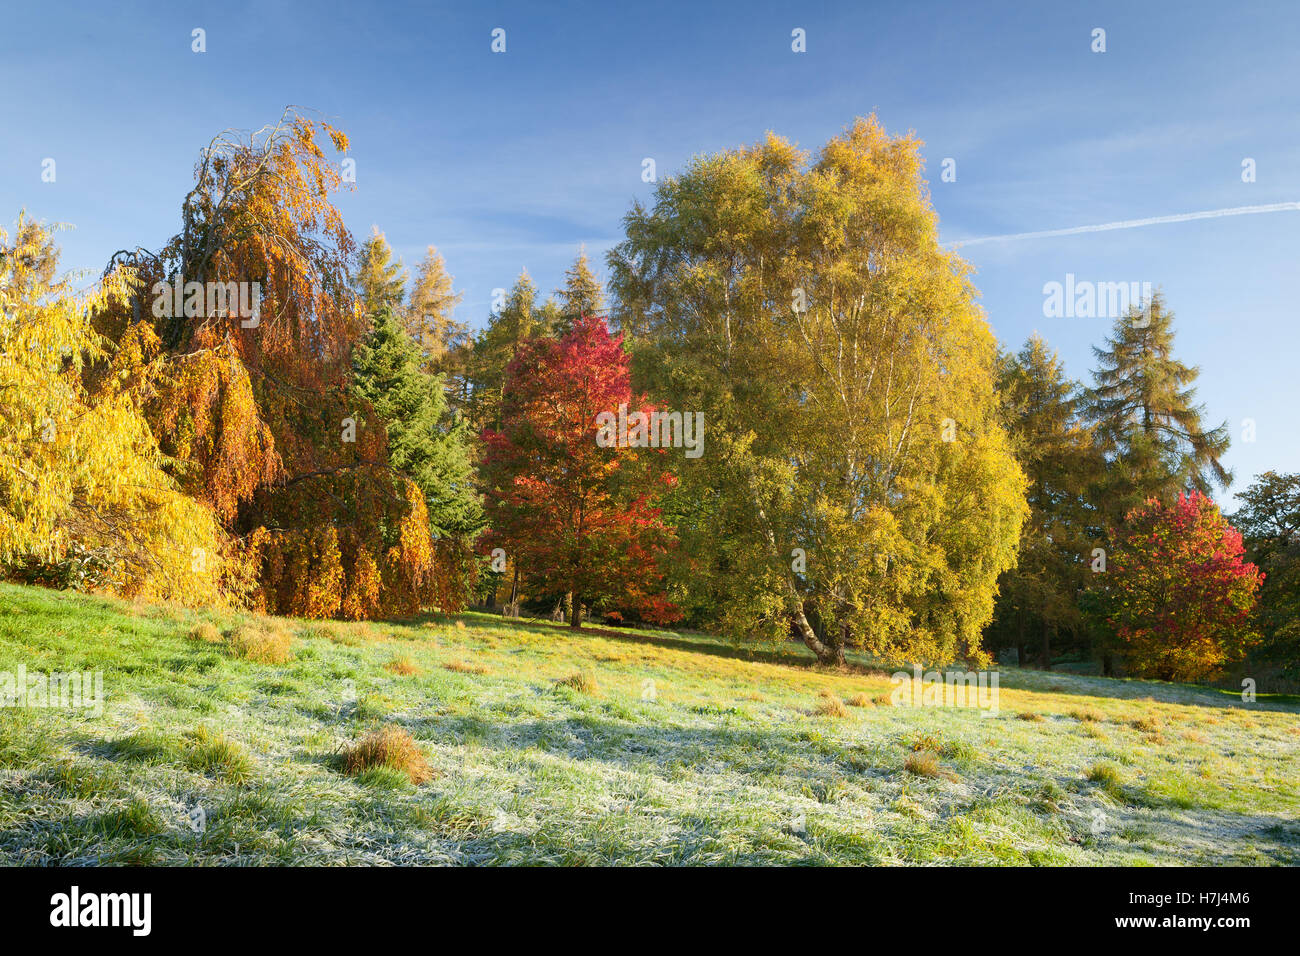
1134,223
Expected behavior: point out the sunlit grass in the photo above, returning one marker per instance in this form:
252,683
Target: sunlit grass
473,740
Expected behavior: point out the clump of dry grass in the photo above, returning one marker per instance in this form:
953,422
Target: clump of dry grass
860,700
923,763
1147,723
389,746
465,667
1193,736
205,631
214,753
1106,774
829,705
403,665
1087,715
584,682
884,700
1029,715
261,643
927,742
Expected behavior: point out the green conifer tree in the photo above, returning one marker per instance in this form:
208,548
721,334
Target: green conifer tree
423,443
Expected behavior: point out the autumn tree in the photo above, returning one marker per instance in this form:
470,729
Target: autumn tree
379,281
858,485
85,497
258,403
577,515
1041,410
428,314
521,316
1179,592
1147,420
582,294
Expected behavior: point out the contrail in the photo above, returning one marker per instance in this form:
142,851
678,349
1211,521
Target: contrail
1135,223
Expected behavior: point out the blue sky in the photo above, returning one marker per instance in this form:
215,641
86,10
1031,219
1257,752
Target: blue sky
511,161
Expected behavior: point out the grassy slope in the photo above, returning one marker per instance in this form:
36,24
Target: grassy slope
727,764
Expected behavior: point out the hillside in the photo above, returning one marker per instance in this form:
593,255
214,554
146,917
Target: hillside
660,748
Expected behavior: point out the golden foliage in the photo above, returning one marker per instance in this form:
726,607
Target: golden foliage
81,477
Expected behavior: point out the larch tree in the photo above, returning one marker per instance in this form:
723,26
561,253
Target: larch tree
379,280
429,311
582,294
1143,406
858,487
85,496
520,318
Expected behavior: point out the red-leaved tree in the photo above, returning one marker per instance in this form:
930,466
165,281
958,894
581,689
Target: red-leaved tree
1180,592
574,517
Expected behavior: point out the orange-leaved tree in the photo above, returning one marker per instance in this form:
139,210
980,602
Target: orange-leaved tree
239,341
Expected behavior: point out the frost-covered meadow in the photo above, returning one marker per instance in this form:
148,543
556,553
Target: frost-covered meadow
647,747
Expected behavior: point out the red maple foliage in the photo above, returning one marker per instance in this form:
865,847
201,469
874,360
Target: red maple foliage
575,517
1181,593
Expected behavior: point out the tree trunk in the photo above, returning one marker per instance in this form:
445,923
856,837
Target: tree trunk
827,653
575,613
1021,659
1047,648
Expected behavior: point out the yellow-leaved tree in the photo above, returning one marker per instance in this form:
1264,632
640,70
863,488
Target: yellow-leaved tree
855,483
84,498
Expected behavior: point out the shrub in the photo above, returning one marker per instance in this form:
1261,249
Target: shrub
389,746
